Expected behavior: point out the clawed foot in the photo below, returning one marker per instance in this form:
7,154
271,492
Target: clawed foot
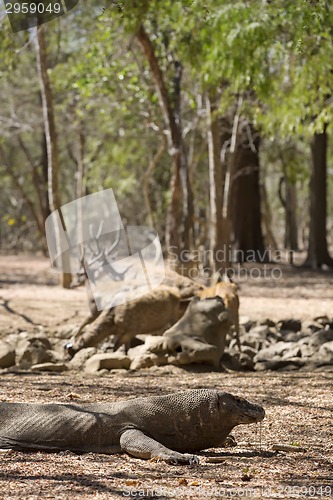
183,459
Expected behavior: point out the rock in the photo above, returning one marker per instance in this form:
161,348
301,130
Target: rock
49,367
103,372
324,321
153,352
294,352
321,337
107,361
293,337
311,326
307,351
255,342
280,364
66,332
233,344
230,361
79,359
157,344
7,355
304,340
290,325
325,353
268,322
135,352
274,336
291,364
247,323
274,350
167,370
249,351
325,368
237,361
34,350
147,360
246,361
260,330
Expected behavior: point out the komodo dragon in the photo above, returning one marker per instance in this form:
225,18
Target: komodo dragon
161,427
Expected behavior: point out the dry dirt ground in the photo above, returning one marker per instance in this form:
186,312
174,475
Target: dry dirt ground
299,405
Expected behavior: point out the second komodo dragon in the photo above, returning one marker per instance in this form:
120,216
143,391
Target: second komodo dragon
161,427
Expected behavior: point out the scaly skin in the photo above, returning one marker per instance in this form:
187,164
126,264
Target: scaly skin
161,427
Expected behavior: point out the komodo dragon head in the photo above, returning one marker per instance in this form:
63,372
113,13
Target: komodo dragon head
238,410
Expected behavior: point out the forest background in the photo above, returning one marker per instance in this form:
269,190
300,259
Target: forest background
210,120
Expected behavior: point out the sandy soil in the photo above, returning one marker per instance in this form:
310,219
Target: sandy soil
299,406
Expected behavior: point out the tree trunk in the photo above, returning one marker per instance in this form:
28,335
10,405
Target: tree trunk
219,255
44,175
51,139
147,178
291,237
176,231
289,202
270,240
318,255
187,193
245,192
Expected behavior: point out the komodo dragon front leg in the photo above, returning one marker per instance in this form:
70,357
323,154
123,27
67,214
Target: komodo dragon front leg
138,444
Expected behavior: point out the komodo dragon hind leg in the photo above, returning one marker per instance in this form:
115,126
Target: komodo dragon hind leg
139,445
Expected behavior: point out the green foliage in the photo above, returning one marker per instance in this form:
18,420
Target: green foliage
277,55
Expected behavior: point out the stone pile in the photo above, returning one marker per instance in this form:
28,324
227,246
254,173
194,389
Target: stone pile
284,345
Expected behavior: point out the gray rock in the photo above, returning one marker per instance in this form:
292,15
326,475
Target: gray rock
325,368
107,361
268,322
291,364
233,344
237,361
103,372
135,352
149,359
280,364
254,341
311,326
325,321
325,353
274,336
79,359
156,344
49,367
249,351
247,323
307,351
34,350
260,330
293,337
321,337
290,325
293,352
7,355
274,350
304,340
